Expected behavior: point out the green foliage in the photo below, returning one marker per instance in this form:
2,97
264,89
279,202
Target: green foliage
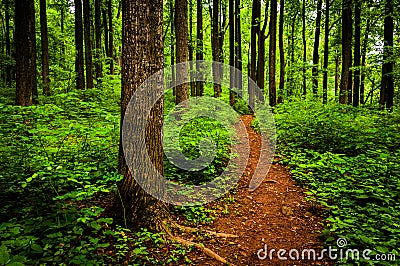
349,160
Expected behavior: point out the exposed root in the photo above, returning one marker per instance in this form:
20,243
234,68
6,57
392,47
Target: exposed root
193,230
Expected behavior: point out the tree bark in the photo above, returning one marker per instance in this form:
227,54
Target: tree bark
347,34
199,48
8,42
326,54
387,84
45,48
111,36
97,22
316,48
281,51
364,55
304,48
79,61
272,53
181,26
238,50
261,54
357,52
25,45
232,99
105,23
88,44
255,29
191,48
142,56
216,53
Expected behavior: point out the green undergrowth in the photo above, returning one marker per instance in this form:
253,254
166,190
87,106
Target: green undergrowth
349,159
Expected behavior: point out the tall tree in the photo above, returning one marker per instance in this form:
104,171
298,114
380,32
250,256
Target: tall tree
111,36
255,29
172,47
357,52
25,45
232,50
304,47
199,47
45,48
106,34
326,54
181,26
387,84
216,46
316,47
272,53
88,44
261,52
191,49
8,41
142,56
238,42
98,54
281,50
347,35
363,61
79,62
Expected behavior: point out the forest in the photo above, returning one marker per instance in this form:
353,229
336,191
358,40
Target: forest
199,132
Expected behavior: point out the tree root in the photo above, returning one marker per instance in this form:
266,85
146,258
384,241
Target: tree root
193,230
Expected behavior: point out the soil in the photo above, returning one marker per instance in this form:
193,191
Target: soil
275,215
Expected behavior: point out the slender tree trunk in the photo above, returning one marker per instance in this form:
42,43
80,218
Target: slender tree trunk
387,84
304,47
357,52
173,78
181,26
281,52
79,61
106,34
99,65
111,36
261,54
8,42
255,29
192,84
238,50
337,75
292,59
232,84
316,48
364,55
88,44
142,56
347,33
216,53
45,48
199,49
326,54
25,45
272,53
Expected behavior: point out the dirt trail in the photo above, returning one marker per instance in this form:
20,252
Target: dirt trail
275,214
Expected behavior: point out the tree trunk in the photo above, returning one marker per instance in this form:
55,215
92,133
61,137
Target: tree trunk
45,48
238,50
337,75
292,59
304,48
272,53
8,42
105,23
364,55
357,52
281,52
97,22
79,61
181,26
347,33
387,84
173,78
255,29
216,53
88,44
326,54
232,99
142,56
25,44
316,48
111,36
261,54
191,48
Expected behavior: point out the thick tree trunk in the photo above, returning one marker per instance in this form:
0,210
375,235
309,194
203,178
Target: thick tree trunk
316,48
181,26
111,36
25,45
347,34
45,48
272,53
304,48
142,56
326,54
387,83
88,44
281,52
97,22
79,61
357,52
364,55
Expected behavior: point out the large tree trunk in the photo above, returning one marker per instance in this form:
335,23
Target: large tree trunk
97,22
142,56
216,52
25,45
181,26
79,62
347,34
387,84
45,48
357,52
326,54
199,49
363,61
8,42
88,44
111,36
316,48
255,29
304,48
281,52
272,53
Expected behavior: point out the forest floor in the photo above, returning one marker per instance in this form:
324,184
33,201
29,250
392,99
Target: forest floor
276,215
